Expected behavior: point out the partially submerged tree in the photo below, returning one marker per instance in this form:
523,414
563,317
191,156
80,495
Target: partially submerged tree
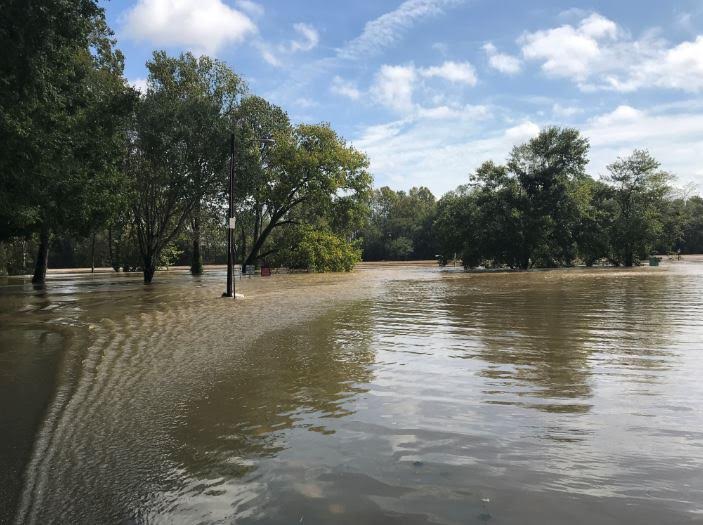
310,168
178,150
640,188
63,106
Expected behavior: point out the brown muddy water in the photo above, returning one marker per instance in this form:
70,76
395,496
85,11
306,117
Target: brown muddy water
390,395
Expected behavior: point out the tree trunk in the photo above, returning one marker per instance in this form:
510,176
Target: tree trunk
244,244
257,228
149,269
196,267
92,254
109,249
42,256
629,257
258,243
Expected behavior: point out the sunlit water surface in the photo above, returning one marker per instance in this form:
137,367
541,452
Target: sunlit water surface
392,395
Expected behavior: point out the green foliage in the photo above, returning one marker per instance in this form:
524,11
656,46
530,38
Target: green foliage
320,251
309,171
397,215
540,209
176,156
63,106
640,190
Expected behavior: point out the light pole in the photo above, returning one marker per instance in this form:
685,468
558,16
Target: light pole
230,223
230,217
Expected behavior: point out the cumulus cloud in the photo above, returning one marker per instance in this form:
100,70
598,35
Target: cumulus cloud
422,151
502,62
460,72
599,55
203,26
389,28
393,87
345,88
522,132
674,135
308,38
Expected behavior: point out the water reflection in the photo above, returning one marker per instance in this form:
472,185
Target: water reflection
542,338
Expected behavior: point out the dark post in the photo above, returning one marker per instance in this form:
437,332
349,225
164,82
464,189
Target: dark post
230,225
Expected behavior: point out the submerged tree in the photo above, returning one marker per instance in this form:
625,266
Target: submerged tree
548,169
63,105
177,152
639,192
310,169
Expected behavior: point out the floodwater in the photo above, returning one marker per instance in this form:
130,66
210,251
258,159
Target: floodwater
389,395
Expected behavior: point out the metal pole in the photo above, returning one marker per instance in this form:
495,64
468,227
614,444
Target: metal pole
230,224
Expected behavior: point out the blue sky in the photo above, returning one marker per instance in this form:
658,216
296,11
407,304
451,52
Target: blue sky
429,89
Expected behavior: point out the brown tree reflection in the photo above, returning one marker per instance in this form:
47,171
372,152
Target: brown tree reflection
543,332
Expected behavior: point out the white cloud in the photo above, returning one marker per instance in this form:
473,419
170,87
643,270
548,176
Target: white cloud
203,26
422,151
396,86
267,54
309,38
672,133
502,62
393,87
445,112
345,88
619,115
565,51
389,28
565,111
598,55
140,84
252,8
461,72
522,132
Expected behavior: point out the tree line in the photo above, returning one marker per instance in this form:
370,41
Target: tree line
94,171
86,156
541,209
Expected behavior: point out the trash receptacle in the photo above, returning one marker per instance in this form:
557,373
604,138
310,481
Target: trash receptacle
654,261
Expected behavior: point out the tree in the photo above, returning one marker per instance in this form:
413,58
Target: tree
399,215
548,168
178,150
319,251
595,225
640,189
255,120
310,168
63,105
693,225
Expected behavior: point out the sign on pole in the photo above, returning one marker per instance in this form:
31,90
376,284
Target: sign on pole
231,223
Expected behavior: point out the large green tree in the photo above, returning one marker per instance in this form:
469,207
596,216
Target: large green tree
310,169
178,150
548,169
63,104
400,224
640,189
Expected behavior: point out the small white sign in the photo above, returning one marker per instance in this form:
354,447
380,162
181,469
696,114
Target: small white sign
231,223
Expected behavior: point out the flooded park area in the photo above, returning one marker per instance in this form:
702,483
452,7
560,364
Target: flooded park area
392,394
